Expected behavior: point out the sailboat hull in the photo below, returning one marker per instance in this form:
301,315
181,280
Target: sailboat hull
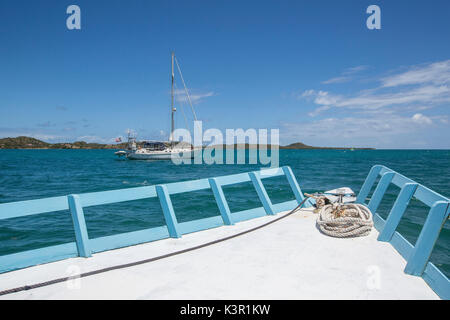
161,155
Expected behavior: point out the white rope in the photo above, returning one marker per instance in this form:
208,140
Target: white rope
185,89
345,220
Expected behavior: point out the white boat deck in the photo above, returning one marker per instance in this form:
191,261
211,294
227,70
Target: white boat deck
289,259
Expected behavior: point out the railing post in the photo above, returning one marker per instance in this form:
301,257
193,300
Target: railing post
221,201
397,211
368,183
380,190
293,183
169,213
437,216
79,225
262,194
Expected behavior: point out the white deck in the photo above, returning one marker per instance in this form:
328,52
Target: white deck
289,259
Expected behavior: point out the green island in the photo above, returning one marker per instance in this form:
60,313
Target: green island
23,142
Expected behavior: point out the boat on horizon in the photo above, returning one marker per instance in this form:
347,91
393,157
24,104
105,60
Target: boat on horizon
155,150
158,150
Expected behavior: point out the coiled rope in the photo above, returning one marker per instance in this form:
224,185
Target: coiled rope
345,220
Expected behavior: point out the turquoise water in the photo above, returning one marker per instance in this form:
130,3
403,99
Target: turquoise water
32,174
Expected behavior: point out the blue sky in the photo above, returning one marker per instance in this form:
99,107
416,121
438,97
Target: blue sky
310,68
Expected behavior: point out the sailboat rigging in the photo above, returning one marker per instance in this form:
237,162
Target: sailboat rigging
159,150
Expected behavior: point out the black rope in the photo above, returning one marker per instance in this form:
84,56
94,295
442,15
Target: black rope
132,264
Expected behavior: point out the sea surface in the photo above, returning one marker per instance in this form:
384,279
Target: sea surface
34,174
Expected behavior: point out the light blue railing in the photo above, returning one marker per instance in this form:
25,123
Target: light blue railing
417,256
84,246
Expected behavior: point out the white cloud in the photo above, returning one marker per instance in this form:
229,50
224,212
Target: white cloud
337,80
427,85
29,132
373,100
318,111
180,96
375,131
400,111
421,119
437,73
356,69
45,137
308,93
347,75
95,139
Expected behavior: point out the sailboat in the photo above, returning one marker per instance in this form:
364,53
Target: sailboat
154,150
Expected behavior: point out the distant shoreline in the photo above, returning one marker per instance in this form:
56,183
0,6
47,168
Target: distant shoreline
28,143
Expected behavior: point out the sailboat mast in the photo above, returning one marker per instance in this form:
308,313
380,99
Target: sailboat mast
172,106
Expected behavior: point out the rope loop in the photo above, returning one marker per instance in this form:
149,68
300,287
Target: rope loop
345,220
